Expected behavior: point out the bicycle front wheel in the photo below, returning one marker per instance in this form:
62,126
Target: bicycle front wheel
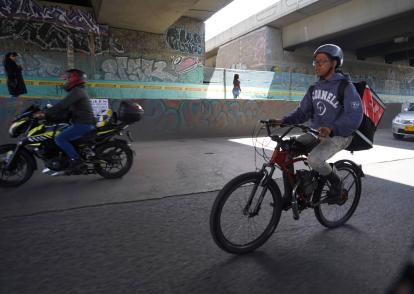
245,213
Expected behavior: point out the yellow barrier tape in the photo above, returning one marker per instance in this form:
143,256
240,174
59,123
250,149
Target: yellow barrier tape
131,86
153,87
102,85
47,83
173,88
210,88
193,89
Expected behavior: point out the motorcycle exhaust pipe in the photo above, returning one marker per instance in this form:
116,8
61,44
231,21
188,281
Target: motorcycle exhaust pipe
58,173
53,173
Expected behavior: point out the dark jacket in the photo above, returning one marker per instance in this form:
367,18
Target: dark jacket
77,103
15,82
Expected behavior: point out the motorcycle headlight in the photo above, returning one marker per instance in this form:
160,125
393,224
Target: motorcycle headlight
16,128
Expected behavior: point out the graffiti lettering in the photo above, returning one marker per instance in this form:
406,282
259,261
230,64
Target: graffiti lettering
183,65
73,18
185,42
238,66
139,69
49,36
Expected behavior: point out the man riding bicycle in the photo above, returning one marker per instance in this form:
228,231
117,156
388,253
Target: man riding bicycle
335,121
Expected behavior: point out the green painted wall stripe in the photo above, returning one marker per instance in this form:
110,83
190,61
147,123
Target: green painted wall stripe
51,89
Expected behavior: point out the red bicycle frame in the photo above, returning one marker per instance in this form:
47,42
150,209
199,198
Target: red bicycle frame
281,159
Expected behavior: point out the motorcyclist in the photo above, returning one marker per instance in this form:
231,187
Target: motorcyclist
336,122
78,104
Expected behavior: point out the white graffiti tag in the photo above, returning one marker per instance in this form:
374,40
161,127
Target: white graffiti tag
135,69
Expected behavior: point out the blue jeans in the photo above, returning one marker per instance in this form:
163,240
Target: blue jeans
75,131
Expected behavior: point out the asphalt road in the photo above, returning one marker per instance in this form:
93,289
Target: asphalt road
132,242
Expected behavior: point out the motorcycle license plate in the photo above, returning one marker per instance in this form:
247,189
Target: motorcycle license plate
409,128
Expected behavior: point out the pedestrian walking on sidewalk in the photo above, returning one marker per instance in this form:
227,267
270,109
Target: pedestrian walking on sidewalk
15,82
236,86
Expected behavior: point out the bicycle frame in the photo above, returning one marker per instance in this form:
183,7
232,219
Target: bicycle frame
282,160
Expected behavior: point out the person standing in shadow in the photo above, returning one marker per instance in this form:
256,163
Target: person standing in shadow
15,82
236,86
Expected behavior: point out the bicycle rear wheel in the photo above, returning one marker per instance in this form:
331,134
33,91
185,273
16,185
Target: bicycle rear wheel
234,225
335,215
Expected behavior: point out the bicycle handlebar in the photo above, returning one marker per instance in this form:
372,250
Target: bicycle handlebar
305,129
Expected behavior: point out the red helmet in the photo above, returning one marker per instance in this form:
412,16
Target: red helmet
73,77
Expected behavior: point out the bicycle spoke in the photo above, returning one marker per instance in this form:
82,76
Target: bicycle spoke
239,225
335,214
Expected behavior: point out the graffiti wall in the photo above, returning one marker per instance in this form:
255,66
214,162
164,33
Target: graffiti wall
198,118
183,41
167,119
51,27
177,69
40,32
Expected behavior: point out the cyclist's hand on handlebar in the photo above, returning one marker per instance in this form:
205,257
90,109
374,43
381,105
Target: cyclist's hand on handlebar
324,132
275,122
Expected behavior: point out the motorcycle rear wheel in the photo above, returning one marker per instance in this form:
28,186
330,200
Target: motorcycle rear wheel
115,158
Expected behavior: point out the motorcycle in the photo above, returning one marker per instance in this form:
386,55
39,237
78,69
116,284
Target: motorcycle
101,151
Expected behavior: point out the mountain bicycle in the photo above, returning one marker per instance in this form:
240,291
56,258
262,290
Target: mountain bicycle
247,210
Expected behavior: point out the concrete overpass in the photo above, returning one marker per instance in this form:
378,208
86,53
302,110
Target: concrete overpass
368,28
153,16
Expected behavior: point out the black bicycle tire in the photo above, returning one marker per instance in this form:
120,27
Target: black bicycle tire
317,210
221,199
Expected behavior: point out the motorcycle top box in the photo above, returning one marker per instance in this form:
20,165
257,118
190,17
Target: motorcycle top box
130,112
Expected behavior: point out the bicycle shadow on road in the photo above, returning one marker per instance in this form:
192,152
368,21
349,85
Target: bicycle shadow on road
262,272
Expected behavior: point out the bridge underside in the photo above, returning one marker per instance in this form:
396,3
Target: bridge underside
391,38
382,29
153,16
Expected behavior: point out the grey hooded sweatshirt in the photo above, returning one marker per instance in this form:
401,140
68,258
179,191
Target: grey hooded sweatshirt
324,109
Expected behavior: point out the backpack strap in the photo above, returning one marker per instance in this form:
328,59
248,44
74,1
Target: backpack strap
311,88
341,90
310,91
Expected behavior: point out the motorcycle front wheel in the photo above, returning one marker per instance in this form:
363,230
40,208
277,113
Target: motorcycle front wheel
114,159
19,172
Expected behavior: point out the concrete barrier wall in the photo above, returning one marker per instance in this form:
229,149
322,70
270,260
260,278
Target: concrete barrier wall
174,119
177,119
